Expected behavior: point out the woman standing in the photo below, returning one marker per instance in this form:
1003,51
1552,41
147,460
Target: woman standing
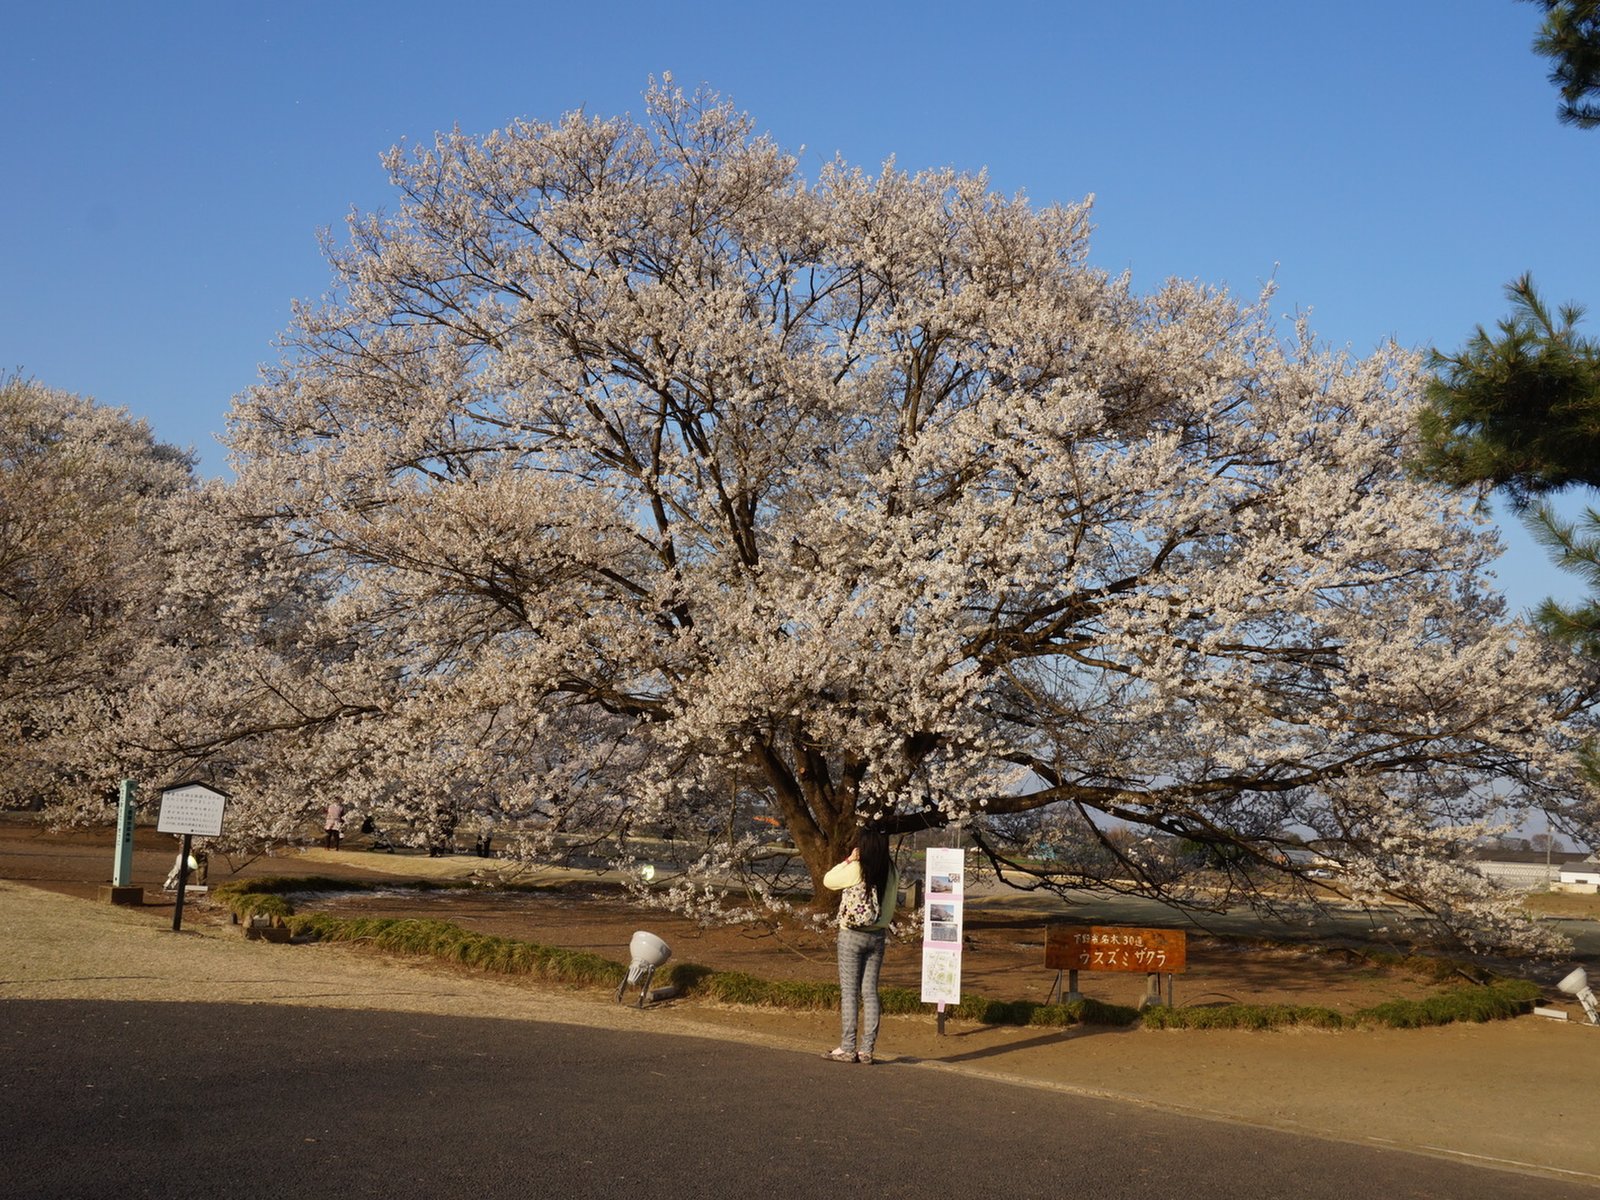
333,825
869,882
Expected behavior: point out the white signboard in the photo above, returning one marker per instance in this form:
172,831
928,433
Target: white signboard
191,808
941,926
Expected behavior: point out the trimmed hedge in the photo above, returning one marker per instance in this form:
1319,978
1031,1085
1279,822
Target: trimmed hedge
1246,1016
448,942
1483,1002
1475,1002
451,943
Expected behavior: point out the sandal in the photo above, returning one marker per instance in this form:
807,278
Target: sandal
840,1054
864,1059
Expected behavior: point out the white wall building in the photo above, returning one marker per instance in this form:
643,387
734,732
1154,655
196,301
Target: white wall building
1580,876
1527,870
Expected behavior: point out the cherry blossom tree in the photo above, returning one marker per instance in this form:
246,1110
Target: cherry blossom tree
643,478
82,487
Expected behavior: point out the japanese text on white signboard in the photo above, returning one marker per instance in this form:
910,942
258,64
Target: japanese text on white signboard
191,808
941,926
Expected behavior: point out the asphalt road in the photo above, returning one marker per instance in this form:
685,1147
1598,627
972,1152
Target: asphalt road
233,1102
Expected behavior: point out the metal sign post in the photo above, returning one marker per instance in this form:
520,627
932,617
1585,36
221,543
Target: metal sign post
189,809
183,881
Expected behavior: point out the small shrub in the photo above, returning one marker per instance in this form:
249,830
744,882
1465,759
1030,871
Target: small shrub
245,901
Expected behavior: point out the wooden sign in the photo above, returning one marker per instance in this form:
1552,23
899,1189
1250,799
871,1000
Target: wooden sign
1114,948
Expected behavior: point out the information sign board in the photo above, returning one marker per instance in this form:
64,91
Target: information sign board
941,926
1115,948
191,808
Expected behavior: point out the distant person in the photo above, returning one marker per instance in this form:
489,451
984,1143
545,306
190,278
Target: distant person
442,836
333,827
869,882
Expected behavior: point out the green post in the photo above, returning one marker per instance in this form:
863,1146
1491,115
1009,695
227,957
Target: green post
122,872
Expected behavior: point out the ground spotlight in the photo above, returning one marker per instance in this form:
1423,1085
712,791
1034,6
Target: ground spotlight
1575,984
647,952
171,883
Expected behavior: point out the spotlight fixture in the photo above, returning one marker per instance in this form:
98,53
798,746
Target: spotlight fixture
171,884
1577,984
647,952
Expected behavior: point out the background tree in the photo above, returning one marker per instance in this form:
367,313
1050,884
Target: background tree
1570,38
82,487
1543,842
1519,409
640,477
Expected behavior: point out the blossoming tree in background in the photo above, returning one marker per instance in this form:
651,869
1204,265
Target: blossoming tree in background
629,478
82,490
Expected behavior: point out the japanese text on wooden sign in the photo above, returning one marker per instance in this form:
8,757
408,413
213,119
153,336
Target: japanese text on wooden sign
1114,948
191,808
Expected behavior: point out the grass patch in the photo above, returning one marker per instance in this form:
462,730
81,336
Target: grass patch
1246,1016
447,942
1475,1002
1428,967
1483,1002
450,943
1585,905
245,899
279,885
738,987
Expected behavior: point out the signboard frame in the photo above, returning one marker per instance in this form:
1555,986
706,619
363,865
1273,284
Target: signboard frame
194,809
1115,948
943,918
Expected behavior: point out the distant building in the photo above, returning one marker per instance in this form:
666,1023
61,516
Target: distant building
1525,870
1583,876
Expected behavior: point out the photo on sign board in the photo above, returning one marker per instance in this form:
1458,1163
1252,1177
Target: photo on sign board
941,932
944,883
941,912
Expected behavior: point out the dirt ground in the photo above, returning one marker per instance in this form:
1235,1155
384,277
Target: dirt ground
1002,956
1002,953
1514,1094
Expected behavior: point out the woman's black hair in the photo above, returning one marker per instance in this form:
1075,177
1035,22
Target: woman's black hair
874,847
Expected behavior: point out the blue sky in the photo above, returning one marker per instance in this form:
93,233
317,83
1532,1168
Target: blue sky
1390,163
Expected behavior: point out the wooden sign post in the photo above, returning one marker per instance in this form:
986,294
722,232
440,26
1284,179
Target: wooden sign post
1155,952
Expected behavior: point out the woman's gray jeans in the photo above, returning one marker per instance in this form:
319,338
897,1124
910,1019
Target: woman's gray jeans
860,959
